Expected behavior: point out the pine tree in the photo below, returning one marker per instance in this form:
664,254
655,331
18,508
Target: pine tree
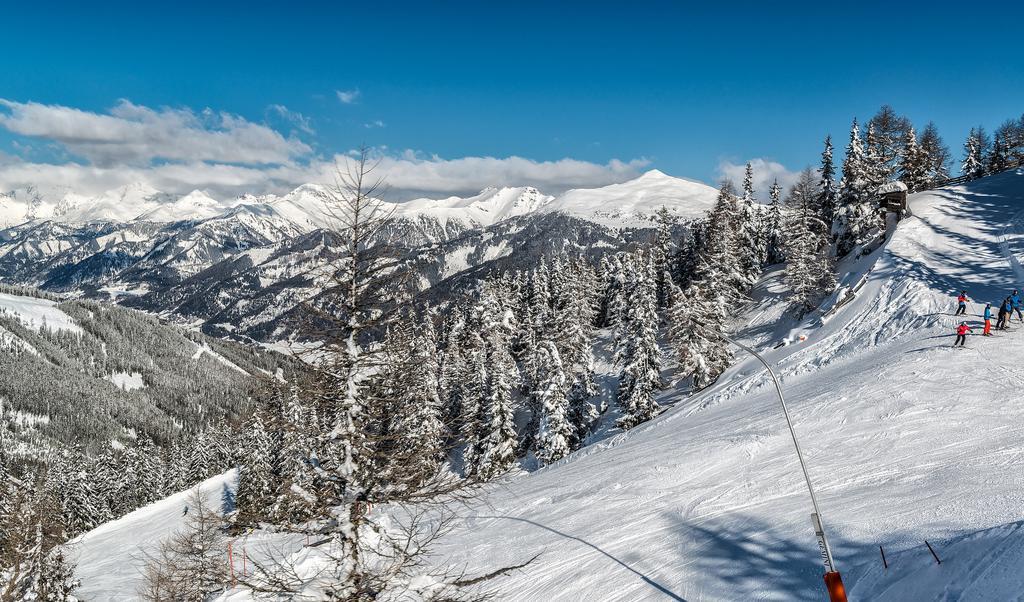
876,170
256,486
772,226
913,166
421,426
636,349
717,264
827,195
663,252
750,245
498,442
975,153
887,133
937,154
997,159
856,215
696,332
809,271
574,316
554,432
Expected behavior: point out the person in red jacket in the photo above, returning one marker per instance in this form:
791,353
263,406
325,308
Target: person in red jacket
961,334
961,304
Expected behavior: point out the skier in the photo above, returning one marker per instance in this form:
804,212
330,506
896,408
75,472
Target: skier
1015,305
1004,310
961,307
988,320
961,334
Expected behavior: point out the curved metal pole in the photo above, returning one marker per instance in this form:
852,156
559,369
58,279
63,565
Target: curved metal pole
799,454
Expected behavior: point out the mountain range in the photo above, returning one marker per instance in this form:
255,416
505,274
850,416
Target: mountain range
240,267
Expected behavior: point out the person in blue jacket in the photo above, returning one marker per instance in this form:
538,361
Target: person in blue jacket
1015,305
988,320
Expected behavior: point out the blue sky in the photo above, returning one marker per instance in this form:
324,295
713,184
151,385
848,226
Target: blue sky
681,87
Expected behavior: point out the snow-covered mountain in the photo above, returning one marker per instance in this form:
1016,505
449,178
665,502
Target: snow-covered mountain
633,200
243,264
906,440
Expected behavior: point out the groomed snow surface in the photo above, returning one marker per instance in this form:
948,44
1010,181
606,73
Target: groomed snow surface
906,438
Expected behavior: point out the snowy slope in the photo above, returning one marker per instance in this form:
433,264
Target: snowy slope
36,313
110,558
906,439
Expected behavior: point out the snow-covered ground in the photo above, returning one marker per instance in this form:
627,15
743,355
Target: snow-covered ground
906,438
129,381
111,557
36,313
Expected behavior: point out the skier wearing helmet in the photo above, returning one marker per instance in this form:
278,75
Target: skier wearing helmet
961,301
961,334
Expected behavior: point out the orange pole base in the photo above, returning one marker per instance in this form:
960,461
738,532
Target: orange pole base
835,587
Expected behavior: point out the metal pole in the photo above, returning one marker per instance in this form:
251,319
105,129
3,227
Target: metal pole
799,454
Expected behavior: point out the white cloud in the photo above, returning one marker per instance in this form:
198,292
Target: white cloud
180,150
376,123
348,97
408,175
293,118
411,173
766,171
137,135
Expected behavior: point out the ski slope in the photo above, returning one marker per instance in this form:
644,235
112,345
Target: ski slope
110,558
906,439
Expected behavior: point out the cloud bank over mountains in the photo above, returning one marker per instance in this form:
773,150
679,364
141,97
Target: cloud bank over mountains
179,150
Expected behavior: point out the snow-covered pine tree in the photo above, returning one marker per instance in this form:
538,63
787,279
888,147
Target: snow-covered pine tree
696,333
498,441
1012,134
613,301
809,270
636,350
887,133
913,163
717,266
257,482
200,459
574,319
827,194
664,250
473,421
937,154
750,244
772,226
856,214
876,170
554,431
293,502
421,427
33,566
975,151
997,159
